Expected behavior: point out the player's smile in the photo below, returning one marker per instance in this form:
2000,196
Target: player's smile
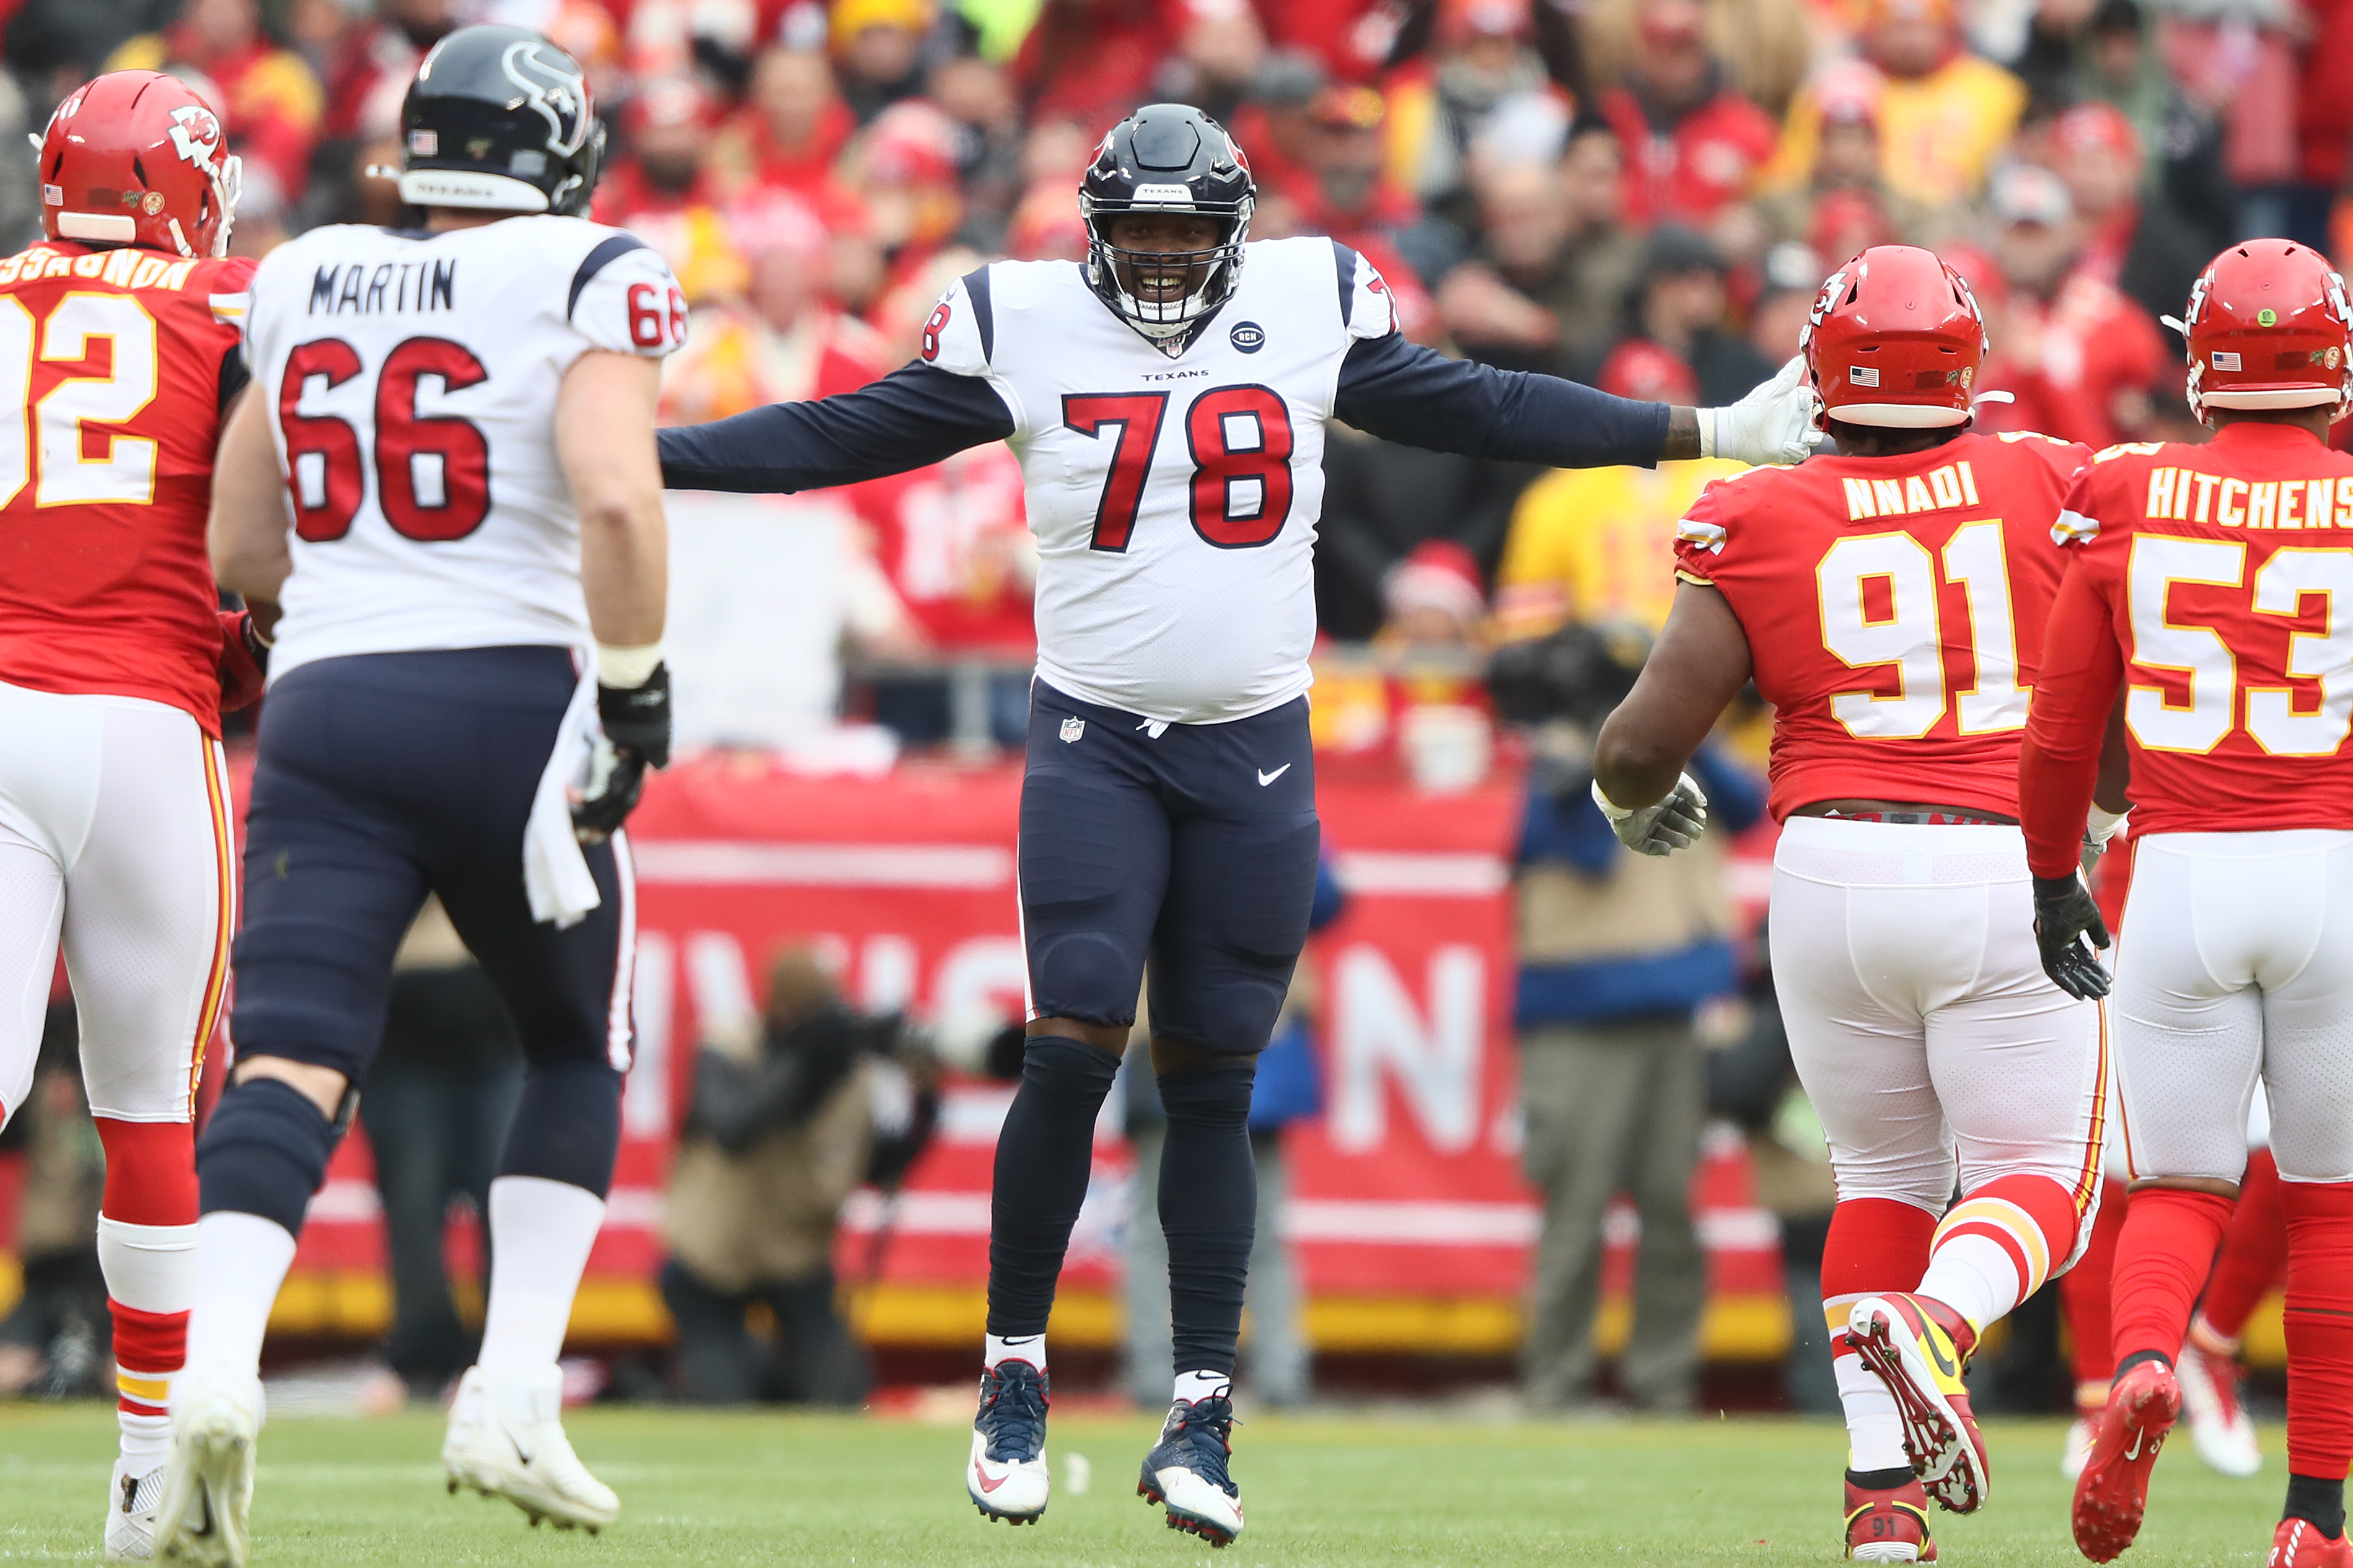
1163,254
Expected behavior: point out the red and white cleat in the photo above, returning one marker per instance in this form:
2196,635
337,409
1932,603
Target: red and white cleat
1919,1346
1888,1526
2113,1492
2298,1544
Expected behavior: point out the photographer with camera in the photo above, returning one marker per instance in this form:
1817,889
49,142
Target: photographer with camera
1620,952
788,1118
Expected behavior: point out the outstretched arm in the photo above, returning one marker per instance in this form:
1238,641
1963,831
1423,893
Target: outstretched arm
916,415
1405,392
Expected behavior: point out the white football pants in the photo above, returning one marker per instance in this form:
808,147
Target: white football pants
1928,1036
115,834
2238,964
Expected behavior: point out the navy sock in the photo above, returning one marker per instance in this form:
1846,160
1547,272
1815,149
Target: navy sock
1044,1154
264,1153
1208,1208
567,1125
2319,1500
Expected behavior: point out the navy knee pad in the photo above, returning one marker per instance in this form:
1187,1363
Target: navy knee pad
1086,975
264,1153
1063,1068
567,1126
1215,1094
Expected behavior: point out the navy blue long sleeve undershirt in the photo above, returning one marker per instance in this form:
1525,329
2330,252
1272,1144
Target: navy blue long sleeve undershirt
1388,387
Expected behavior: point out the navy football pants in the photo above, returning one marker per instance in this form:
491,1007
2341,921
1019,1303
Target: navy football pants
383,776
1195,847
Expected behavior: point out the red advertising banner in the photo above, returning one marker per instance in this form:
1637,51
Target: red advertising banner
1412,1222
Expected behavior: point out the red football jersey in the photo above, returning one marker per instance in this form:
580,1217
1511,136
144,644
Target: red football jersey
115,363
1894,610
2235,644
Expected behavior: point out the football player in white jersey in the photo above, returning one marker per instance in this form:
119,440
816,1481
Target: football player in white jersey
447,478
1167,400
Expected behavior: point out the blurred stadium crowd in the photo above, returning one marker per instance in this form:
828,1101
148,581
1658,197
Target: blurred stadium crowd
1643,193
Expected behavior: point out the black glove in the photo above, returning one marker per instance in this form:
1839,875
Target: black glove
637,718
2065,914
637,737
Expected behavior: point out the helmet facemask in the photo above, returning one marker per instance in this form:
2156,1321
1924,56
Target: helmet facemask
1134,282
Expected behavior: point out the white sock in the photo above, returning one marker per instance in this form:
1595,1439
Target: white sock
1031,1348
1875,1432
146,1440
241,1260
150,1267
541,1232
1975,1276
1192,1386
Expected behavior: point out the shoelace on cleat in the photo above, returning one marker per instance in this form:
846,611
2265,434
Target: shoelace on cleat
1013,1406
1206,1418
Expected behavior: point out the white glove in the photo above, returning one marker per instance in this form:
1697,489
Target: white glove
1774,424
1676,822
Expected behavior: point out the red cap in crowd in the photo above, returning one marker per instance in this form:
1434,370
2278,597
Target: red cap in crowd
2269,327
1640,369
912,144
2096,127
1894,341
667,102
1847,221
136,158
1847,93
1439,574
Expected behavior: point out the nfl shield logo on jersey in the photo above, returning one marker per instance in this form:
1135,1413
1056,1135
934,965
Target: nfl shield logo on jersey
1073,729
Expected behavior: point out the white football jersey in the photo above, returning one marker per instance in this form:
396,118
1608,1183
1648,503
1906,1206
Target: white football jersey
414,379
1174,501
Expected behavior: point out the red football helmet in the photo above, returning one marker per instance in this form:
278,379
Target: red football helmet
1895,339
137,158
2269,327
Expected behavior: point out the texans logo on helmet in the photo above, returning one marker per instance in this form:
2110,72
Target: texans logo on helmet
559,95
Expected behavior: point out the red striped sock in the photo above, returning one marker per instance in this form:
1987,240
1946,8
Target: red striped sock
146,1243
2162,1261
2254,1250
2319,1327
1999,1245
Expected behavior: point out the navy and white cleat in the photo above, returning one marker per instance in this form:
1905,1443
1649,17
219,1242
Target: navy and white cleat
1007,1472
1186,1473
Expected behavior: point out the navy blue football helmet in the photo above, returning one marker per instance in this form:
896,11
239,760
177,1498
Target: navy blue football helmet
1166,158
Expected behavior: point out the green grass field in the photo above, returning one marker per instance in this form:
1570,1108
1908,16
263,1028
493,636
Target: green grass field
1347,1493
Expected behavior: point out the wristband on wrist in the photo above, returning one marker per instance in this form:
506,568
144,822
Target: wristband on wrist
1707,418
623,667
1610,808
2103,826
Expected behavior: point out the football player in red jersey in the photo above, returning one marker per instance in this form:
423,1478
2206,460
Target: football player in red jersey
118,358
1889,603
2233,646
